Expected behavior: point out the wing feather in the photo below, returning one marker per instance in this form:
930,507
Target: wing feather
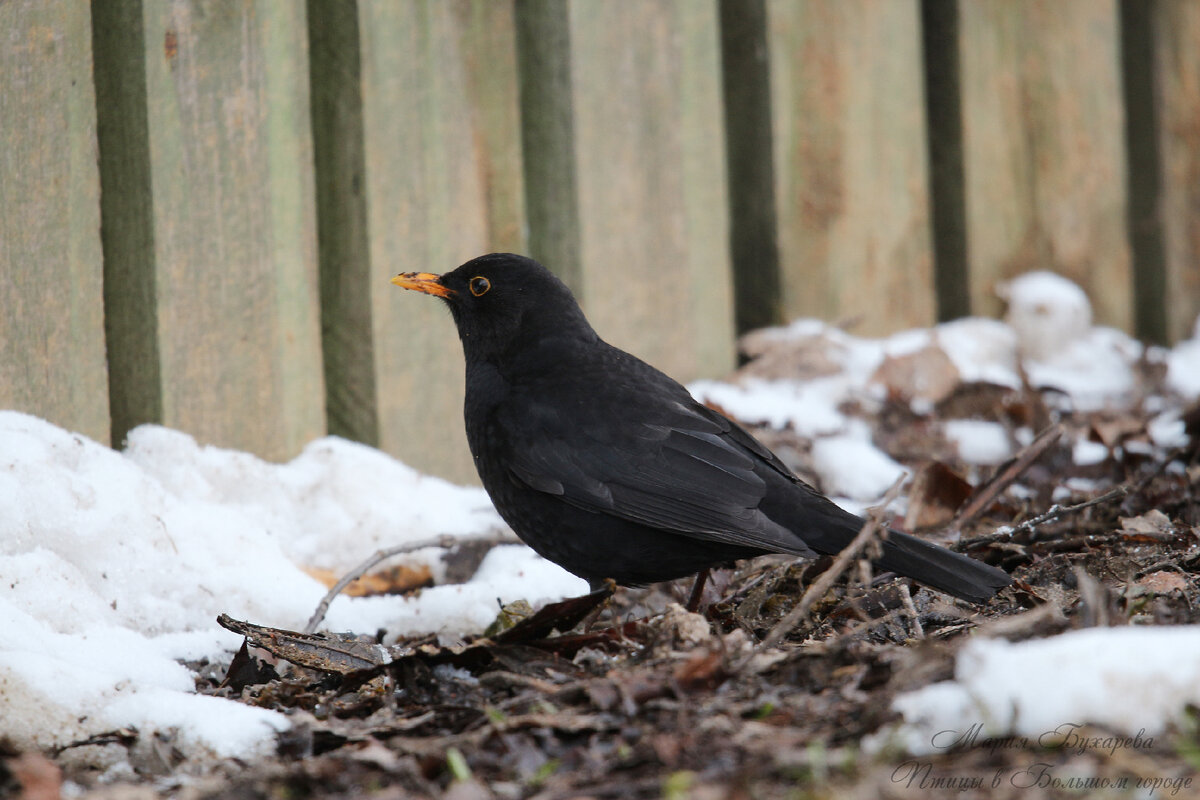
680,467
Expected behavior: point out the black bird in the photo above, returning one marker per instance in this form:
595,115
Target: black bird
609,468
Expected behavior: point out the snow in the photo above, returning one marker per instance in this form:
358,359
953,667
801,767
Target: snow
1047,312
809,408
1183,367
851,467
1094,372
979,441
1128,680
983,350
1085,452
1168,430
114,566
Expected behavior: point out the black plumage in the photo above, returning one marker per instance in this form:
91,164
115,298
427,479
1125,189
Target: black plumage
608,467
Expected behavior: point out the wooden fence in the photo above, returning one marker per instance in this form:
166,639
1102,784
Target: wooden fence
202,201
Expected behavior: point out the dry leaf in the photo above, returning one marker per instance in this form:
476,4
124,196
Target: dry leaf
38,777
937,493
925,374
1113,431
1163,582
1154,524
394,580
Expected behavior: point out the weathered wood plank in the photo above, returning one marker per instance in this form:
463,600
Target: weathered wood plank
430,204
851,160
1043,148
211,250
52,360
432,179
628,102
1177,64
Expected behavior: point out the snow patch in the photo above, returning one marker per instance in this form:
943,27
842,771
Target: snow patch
1126,679
114,566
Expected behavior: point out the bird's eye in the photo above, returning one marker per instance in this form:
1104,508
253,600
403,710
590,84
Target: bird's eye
479,285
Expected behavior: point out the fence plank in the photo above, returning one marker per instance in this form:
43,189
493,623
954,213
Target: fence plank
436,181
52,360
626,100
754,225
851,161
431,200
209,233
939,23
1177,31
1043,148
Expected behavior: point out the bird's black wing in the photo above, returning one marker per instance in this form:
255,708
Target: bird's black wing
640,448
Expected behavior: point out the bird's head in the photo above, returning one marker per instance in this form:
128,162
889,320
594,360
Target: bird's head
502,300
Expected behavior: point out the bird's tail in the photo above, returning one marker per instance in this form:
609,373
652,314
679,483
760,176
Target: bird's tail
823,527
941,569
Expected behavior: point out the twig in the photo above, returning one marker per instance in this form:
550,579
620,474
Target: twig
821,585
911,608
986,494
445,540
1054,512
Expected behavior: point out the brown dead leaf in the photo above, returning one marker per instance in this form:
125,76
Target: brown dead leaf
702,672
1163,582
394,580
246,670
562,616
926,374
1112,431
1154,525
38,777
803,358
989,401
326,652
937,493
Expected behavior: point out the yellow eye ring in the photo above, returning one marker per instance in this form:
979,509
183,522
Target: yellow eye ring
479,285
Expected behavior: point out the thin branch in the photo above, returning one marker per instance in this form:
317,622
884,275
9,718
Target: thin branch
445,540
1054,512
1016,466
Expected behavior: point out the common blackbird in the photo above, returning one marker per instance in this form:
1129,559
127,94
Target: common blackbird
609,468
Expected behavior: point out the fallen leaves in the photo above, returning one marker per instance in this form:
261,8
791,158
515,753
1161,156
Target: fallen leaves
1163,582
31,776
1152,526
399,579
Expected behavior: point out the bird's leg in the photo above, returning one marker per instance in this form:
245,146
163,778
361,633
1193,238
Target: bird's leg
693,603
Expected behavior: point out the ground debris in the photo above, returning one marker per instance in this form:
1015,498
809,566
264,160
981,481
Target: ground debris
629,695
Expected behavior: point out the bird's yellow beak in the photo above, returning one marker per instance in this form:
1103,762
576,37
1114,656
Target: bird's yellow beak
425,282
